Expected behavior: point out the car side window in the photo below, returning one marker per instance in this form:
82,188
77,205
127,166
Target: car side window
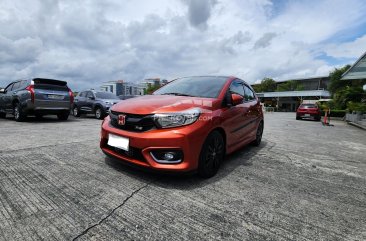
249,95
23,83
82,94
90,94
16,86
236,87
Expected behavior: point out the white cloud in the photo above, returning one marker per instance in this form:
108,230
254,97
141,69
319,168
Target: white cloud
88,42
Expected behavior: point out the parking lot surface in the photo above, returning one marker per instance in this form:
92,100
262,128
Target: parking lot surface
305,182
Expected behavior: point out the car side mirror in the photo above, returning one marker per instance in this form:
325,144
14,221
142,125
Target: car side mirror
236,99
2,91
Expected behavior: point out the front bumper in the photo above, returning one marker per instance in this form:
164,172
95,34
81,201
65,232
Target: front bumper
188,139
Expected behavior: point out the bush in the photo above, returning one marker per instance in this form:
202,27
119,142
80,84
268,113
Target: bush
335,113
356,106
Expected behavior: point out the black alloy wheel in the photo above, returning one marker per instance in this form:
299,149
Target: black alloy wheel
258,135
212,154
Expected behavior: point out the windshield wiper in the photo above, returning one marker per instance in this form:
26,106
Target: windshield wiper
178,94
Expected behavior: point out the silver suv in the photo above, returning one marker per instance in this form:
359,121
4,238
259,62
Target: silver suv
36,97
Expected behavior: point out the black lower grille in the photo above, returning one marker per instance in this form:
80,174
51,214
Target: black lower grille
134,123
133,153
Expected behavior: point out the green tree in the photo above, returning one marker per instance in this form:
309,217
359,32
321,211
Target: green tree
290,85
151,88
336,83
266,85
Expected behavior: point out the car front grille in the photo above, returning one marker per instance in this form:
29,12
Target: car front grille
133,123
133,153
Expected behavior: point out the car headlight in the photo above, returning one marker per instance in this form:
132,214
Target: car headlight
168,120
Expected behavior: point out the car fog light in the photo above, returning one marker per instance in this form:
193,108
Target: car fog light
168,156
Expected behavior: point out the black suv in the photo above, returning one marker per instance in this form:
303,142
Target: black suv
36,97
93,102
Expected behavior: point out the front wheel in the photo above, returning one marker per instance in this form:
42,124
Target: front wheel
63,115
2,115
212,154
99,113
258,135
19,114
75,111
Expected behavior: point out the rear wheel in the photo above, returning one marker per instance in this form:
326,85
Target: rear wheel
2,115
212,154
99,113
298,117
75,111
19,114
63,115
258,135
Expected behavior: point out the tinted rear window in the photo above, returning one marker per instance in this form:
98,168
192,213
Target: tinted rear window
308,106
50,84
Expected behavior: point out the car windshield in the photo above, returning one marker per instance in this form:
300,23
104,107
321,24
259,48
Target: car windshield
106,95
207,87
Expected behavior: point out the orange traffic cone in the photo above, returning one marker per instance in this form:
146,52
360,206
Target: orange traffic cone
325,117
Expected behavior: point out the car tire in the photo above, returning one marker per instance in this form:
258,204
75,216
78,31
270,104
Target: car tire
258,135
63,115
19,114
76,111
211,156
298,118
99,113
318,118
2,115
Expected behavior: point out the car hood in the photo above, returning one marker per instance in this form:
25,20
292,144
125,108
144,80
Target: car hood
152,104
114,101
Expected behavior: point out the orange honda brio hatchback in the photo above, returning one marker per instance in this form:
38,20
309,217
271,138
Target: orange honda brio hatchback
189,124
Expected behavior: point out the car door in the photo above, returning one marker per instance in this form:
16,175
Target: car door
237,116
6,98
90,99
253,111
79,99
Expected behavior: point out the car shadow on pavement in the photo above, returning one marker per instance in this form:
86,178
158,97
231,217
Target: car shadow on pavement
189,181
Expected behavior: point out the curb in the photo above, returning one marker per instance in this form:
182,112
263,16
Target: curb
356,125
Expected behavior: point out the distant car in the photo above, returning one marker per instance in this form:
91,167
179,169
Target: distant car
94,102
308,111
126,97
36,97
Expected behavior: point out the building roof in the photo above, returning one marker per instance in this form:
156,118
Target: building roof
357,70
303,93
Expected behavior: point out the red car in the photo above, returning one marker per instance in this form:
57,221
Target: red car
189,124
308,111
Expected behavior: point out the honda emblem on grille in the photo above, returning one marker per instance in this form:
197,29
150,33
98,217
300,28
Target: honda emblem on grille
121,119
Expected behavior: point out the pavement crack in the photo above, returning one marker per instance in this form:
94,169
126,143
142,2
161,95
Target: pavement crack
111,212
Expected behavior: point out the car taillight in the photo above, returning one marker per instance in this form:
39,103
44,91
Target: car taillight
30,88
71,96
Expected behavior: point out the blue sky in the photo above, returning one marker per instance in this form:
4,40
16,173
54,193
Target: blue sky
90,42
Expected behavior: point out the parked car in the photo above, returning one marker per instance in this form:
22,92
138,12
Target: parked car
125,97
189,124
94,102
36,97
308,111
